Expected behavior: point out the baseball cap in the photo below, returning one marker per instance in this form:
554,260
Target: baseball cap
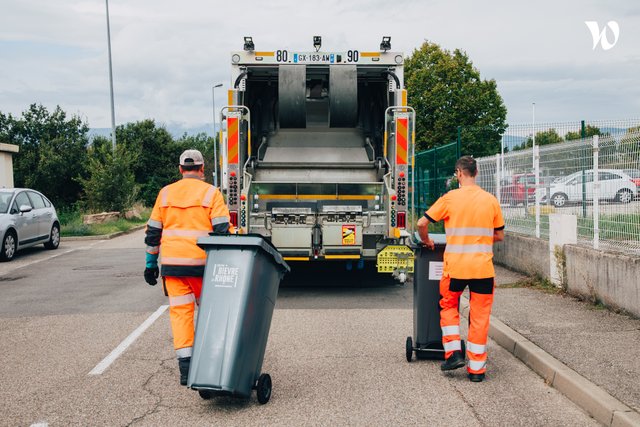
191,158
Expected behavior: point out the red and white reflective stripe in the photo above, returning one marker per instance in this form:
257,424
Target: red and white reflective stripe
183,261
450,330
452,345
184,352
476,365
467,249
153,250
182,299
185,233
154,223
208,197
469,231
476,348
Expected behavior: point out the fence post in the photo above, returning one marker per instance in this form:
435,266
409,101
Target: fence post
536,166
498,178
596,193
459,144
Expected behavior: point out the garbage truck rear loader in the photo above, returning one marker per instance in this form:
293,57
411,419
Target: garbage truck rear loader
316,154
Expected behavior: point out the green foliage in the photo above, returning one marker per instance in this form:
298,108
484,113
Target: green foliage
156,156
52,151
588,131
447,92
75,226
545,137
111,185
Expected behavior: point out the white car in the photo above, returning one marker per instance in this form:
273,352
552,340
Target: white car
27,218
614,185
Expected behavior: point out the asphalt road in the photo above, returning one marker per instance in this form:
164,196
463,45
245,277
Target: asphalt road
335,353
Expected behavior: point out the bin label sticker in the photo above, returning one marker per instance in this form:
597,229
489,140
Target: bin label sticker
349,234
435,270
225,276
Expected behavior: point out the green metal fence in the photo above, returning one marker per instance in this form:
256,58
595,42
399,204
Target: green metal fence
433,169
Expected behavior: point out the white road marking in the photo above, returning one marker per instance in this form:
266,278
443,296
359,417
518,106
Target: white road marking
40,424
104,364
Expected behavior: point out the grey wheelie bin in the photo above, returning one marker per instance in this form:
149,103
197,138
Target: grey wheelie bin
426,341
239,290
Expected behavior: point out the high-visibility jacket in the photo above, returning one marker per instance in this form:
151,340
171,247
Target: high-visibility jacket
470,217
183,212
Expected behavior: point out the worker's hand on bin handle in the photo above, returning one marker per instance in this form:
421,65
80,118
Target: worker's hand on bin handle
151,275
428,243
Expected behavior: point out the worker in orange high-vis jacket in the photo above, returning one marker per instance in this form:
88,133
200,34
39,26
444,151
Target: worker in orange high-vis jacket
473,222
185,210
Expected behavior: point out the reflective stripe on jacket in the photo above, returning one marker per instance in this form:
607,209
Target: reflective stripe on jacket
183,212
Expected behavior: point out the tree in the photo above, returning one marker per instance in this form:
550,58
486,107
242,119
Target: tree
156,156
543,137
111,184
52,151
447,92
588,132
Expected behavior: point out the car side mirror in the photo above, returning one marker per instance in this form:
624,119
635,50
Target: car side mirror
25,208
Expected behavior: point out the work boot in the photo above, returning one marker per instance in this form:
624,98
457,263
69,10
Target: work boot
455,361
476,378
183,364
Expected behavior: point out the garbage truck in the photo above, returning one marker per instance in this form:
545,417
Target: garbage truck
317,153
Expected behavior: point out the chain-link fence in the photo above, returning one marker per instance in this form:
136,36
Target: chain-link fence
595,178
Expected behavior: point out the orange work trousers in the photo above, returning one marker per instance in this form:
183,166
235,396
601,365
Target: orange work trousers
479,313
183,293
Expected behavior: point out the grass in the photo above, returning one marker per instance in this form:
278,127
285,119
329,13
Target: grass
536,282
71,224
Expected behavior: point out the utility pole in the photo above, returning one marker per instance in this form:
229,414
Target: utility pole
113,113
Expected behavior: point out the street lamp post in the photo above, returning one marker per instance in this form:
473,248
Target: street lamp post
113,113
215,151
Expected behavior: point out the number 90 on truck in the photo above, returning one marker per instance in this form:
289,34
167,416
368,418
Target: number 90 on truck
317,155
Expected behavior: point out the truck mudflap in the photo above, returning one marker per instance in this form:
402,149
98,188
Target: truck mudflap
397,260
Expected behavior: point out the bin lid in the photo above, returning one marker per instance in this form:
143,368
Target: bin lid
244,241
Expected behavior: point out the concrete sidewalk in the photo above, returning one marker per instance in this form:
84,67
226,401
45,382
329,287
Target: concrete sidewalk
590,354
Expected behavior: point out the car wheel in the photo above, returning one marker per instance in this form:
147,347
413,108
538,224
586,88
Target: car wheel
559,200
54,237
624,196
9,246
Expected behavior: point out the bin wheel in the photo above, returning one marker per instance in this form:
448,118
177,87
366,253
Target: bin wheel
206,394
409,349
263,389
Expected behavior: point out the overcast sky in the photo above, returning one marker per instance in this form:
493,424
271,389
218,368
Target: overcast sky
167,54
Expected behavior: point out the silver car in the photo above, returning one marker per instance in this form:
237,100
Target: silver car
27,218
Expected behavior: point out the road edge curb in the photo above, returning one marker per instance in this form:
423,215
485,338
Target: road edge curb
592,398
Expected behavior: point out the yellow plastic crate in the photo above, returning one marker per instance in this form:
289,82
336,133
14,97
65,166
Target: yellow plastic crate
394,257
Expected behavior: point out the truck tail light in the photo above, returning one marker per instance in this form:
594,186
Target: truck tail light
401,219
233,216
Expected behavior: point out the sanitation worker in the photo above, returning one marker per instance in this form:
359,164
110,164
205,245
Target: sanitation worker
185,210
473,222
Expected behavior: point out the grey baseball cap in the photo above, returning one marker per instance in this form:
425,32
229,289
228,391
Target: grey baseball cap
191,158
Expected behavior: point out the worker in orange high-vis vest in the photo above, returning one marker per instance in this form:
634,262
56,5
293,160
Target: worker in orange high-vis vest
473,222
184,211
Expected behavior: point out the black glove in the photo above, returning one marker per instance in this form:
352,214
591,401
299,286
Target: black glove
151,275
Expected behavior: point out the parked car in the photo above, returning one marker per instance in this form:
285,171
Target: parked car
513,189
614,185
635,177
27,218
